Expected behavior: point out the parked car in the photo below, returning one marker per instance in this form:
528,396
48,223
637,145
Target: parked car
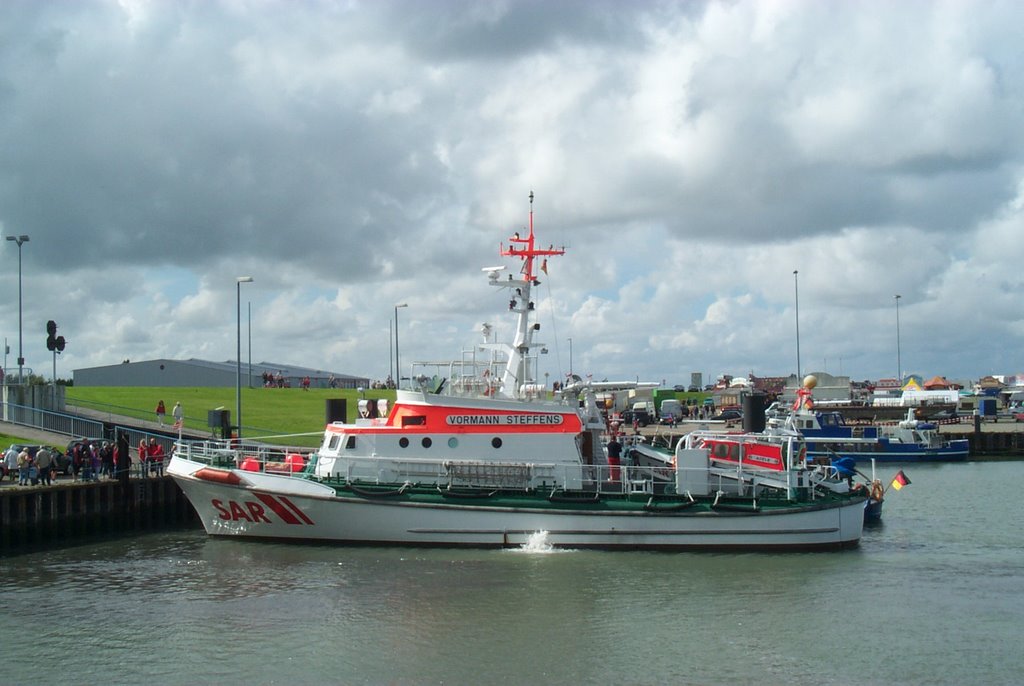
949,413
97,442
62,460
642,412
728,416
70,450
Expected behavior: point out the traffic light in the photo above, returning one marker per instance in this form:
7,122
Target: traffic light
53,342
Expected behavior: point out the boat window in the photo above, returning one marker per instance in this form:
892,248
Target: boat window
496,442
403,442
414,420
333,443
426,441
453,442
350,444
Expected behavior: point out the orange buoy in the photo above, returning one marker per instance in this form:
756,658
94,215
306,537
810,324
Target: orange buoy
295,463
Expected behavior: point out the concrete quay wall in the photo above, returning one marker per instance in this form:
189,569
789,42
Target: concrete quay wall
72,512
992,443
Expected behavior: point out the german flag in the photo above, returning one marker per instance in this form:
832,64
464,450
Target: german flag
899,481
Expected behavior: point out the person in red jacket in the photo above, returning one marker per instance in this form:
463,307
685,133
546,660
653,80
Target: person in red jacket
156,457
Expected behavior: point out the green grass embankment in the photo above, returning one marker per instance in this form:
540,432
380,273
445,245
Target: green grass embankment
265,411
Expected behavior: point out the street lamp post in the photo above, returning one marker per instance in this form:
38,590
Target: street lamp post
796,292
899,364
248,381
570,359
21,355
238,352
398,359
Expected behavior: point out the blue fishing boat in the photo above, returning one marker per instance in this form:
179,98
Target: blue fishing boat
828,435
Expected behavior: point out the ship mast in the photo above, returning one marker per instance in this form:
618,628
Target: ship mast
516,369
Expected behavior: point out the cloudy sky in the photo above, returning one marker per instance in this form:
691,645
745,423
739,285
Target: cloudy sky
350,156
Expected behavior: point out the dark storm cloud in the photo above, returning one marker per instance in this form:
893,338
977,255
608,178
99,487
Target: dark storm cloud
164,148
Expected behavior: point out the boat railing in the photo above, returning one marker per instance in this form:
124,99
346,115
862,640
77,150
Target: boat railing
468,377
596,479
250,456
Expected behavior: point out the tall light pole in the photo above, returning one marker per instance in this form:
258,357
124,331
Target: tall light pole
570,359
899,364
796,291
238,352
248,381
398,359
21,356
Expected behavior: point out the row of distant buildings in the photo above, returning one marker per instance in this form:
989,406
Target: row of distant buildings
726,392
729,391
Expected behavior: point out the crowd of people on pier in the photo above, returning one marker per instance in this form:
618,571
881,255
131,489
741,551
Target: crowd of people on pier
86,460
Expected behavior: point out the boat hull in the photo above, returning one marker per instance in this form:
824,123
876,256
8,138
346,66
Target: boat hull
289,508
873,511
902,453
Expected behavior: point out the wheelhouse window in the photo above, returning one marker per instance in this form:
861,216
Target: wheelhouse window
414,420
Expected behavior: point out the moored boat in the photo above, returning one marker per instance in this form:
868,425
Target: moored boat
481,456
829,436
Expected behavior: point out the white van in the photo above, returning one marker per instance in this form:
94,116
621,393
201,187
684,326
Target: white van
671,411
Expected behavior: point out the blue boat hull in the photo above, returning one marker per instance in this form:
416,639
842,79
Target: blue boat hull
956,451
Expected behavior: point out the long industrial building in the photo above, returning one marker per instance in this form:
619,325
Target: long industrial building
203,373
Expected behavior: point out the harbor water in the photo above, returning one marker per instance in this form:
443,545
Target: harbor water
935,595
